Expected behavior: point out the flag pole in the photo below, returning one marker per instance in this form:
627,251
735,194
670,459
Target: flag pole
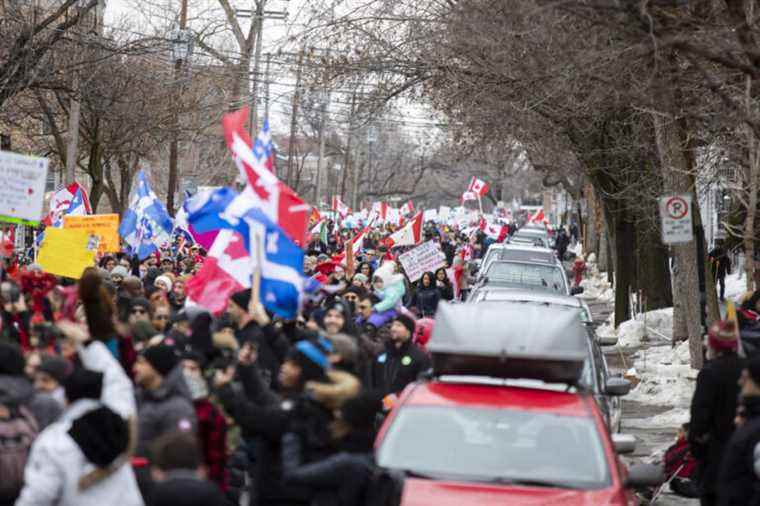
480,204
256,281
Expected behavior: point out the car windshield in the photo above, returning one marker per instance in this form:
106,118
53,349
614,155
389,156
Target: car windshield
524,275
496,446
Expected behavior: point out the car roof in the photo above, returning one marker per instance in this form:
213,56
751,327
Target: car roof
445,393
503,294
525,253
532,232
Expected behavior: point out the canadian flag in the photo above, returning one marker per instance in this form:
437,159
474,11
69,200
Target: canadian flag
409,235
538,217
468,195
226,270
407,208
380,210
276,199
496,232
357,245
478,186
61,201
339,207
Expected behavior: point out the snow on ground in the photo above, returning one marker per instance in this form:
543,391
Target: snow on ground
653,326
736,285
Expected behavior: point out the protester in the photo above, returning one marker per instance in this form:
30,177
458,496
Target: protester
713,407
427,296
721,267
402,362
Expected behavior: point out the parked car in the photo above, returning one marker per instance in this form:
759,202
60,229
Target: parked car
504,418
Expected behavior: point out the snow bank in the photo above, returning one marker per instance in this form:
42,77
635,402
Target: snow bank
596,287
736,284
665,379
653,326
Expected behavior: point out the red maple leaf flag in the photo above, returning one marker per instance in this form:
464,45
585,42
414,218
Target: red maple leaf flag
478,187
409,235
538,217
339,207
407,208
276,199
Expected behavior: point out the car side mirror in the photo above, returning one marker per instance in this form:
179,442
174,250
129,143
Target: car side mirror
624,444
576,290
645,476
607,340
617,387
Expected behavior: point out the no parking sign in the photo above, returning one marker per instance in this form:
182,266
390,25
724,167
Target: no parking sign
676,219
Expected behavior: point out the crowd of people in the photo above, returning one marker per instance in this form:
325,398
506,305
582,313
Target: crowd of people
115,390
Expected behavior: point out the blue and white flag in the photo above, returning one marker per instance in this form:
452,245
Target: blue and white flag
281,263
146,225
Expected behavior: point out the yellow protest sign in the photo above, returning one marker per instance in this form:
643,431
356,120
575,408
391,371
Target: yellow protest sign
64,252
105,226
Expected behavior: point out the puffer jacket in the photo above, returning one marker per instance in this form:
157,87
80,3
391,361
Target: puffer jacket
165,409
393,287
426,298
57,468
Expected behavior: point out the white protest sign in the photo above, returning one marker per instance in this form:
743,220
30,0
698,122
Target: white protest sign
423,258
675,216
430,215
443,213
22,187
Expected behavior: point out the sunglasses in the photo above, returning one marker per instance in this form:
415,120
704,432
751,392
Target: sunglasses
351,298
138,311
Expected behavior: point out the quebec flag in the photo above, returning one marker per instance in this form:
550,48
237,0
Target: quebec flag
146,225
245,237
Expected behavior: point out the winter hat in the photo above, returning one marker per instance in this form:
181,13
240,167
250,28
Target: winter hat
722,336
120,270
83,384
753,368
339,305
102,435
143,331
312,360
161,357
242,298
407,322
139,302
361,278
11,360
56,367
165,280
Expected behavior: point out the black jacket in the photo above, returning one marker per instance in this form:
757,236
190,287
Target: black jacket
394,369
426,299
739,484
271,348
184,489
713,409
720,262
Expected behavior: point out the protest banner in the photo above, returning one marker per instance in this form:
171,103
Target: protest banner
423,258
105,226
22,187
430,215
64,252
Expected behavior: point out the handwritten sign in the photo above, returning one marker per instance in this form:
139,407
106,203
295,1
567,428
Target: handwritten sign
105,226
423,258
64,252
22,187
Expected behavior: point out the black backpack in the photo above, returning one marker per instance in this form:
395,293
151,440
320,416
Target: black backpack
385,488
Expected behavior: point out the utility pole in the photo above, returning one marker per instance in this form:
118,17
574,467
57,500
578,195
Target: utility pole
253,119
294,119
321,160
180,52
347,162
73,138
266,86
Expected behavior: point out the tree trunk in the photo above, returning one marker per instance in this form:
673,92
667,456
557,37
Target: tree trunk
675,167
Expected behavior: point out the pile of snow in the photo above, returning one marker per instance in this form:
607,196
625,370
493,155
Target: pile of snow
665,379
736,284
595,286
652,326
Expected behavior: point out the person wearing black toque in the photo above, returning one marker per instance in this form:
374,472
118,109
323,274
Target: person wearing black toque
271,346
81,459
402,362
164,403
739,476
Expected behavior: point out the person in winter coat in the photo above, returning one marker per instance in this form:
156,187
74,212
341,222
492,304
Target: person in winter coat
402,362
163,399
713,407
739,477
443,283
721,267
179,476
271,347
389,286
81,459
561,243
427,296
340,479
212,426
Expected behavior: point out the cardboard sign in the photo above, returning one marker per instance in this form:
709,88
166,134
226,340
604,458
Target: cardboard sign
64,252
423,258
22,187
105,226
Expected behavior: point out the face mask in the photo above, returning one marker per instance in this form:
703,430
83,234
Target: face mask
196,384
